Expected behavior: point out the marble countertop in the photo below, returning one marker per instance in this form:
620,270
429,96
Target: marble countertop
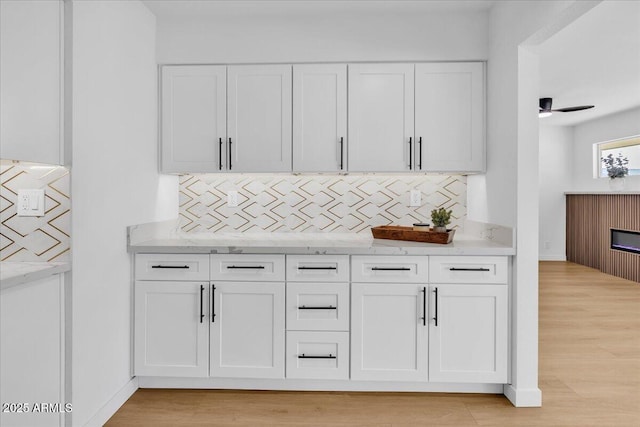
14,273
315,243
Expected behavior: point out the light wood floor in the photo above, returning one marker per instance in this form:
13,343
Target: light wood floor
589,376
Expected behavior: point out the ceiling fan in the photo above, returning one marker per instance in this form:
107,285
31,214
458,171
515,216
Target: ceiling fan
546,111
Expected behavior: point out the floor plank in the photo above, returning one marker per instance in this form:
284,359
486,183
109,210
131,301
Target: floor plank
589,376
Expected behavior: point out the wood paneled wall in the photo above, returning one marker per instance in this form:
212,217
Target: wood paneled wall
589,220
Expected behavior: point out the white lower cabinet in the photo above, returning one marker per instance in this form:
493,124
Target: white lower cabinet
318,355
171,329
32,353
401,319
247,329
468,333
388,332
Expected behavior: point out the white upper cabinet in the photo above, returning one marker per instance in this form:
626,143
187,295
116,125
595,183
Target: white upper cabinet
449,117
380,117
319,118
194,118
259,118
31,80
305,118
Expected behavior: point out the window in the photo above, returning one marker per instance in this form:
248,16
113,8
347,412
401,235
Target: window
628,148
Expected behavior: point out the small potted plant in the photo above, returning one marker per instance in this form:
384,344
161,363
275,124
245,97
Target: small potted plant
440,218
616,169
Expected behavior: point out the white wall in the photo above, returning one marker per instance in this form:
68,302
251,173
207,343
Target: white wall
556,177
114,184
615,126
508,193
322,31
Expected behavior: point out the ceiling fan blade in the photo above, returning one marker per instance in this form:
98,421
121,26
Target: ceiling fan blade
570,109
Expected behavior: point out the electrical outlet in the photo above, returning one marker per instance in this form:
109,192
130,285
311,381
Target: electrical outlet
547,245
232,198
415,198
30,203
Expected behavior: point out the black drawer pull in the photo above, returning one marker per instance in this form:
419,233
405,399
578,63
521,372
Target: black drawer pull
424,306
390,268
304,307
249,267
170,266
436,298
317,268
201,298
220,154
305,356
468,269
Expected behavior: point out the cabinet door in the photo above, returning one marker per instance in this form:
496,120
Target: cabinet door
319,118
30,80
31,350
381,117
247,333
171,329
259,128
388,337
468,343
450,117
194,118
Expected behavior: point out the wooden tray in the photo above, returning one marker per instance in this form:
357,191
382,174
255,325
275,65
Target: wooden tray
397,232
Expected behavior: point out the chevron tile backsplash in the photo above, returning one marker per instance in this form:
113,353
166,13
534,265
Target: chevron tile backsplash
315,203
34,238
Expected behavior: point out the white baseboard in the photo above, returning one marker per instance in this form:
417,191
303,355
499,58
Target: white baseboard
523,398
315,385
112,406
552,257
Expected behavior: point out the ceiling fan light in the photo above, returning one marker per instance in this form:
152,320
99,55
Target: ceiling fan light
543,114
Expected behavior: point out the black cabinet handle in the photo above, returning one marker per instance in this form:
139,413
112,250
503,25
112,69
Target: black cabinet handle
250,267
390,268
468,269
220,154
201,303
410,144
317,268
424,306
213,303
436,317
304,307
169,266
341,153
305,356
420,153
230,153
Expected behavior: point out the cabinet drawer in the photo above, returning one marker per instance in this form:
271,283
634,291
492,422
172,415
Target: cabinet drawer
381,269
318,355
318,306
314,268
468,269
264,268
172,267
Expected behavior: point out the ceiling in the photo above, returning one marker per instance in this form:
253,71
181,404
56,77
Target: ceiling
593,61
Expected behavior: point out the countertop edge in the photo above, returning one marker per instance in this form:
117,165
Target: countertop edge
24,278
150,247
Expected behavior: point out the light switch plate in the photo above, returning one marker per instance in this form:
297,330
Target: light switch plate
232,198
415,198
30,203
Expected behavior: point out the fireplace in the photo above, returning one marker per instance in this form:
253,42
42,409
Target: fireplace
624,240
